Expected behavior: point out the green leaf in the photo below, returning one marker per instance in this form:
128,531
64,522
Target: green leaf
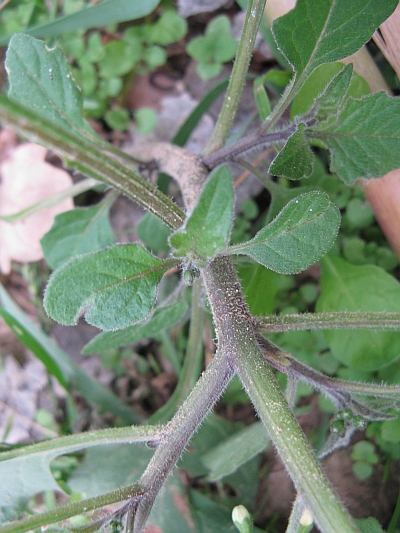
331,99
345,287
115,287
104,468
162,318
207,228
41,79
119,59
58,362
76,232
317,32
319,81
259,287
227,457
295,160
369,525
261,97
300,235
390,430
169,28
365,140
101,14
27,469
153,233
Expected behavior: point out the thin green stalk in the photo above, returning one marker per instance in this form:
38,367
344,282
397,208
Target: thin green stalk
191,368
54,199
83,155
73,509
237,337
72,443
254,14
334,320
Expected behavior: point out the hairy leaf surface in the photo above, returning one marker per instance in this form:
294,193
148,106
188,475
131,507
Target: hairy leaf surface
345,287
316,32
295,160
115,287
40,78
207,228
162,318
76,232
364,142
300,235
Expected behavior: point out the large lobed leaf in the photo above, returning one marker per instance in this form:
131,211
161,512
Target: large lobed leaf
208,226
364,141
115,287
300,235
317,32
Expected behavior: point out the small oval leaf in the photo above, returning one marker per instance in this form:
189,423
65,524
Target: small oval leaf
208,227
301,234
115,287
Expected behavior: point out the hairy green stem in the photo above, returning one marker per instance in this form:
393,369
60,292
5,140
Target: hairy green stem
232,152
237,337
178,432
72,443
334,320
83,155
254,14
73,509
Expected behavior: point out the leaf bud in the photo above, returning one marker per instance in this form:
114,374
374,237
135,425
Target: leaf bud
242,519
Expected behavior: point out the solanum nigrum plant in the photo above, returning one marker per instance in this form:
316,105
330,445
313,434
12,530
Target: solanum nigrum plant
116,287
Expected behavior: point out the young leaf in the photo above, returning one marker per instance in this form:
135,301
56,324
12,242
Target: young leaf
115,287
261,97
41,79
295,160
228,456
301,234
207,228
331,99
365,140
319,81
76,232
345,287
317,32
162,318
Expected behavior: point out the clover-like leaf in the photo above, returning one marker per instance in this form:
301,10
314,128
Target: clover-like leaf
364,141
301,234
115,287
317,32
295,160
207,228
